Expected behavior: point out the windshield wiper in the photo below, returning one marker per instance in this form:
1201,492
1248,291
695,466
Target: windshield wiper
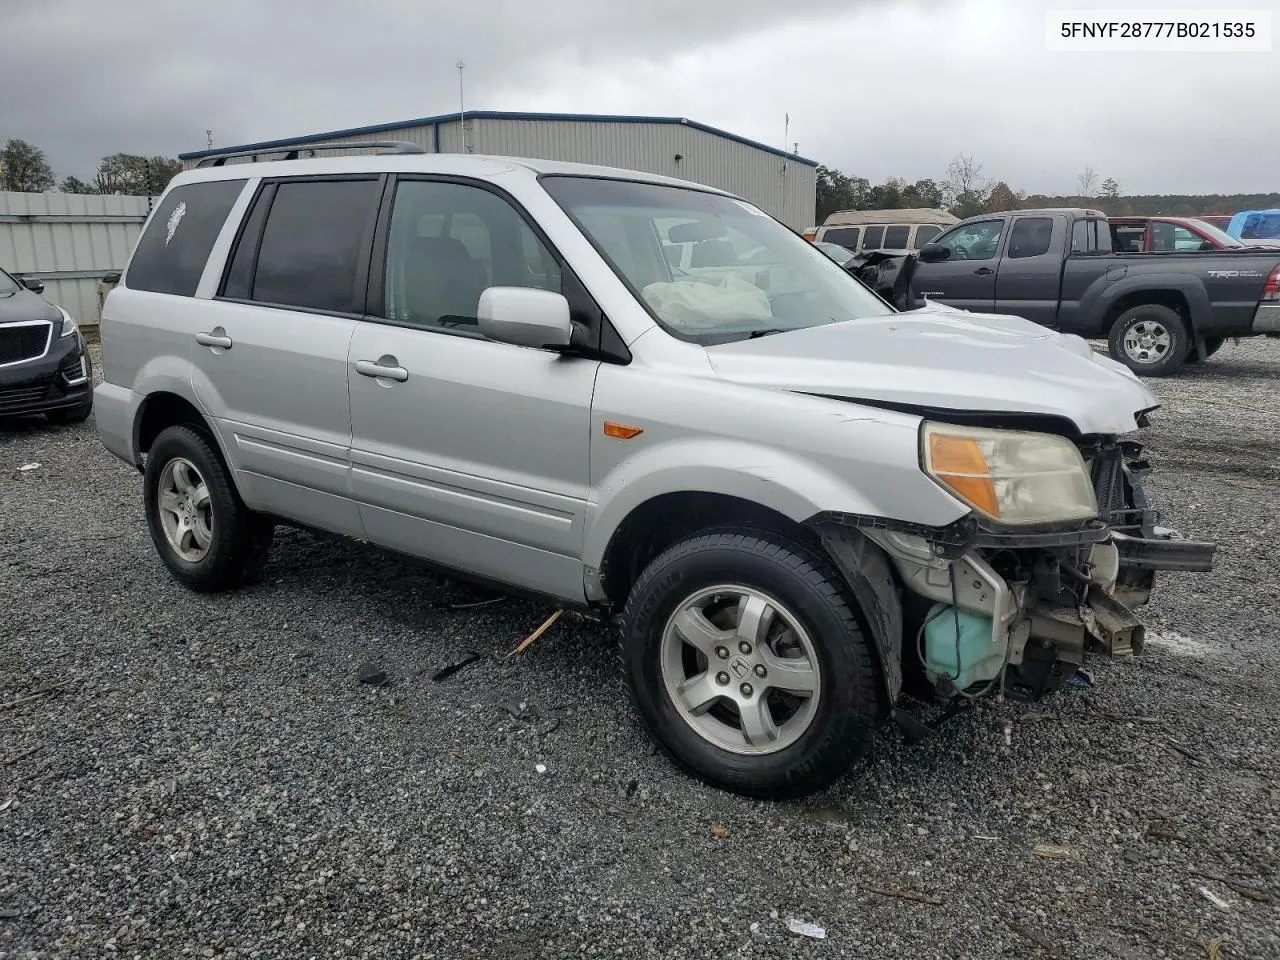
763,333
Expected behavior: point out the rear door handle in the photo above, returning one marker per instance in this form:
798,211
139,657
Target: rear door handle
984,271
369,368
213,340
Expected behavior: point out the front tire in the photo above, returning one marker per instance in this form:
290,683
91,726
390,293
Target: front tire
206,536
747,665
1149,339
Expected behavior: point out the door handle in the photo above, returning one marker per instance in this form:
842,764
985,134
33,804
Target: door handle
984,271
213,340
369,368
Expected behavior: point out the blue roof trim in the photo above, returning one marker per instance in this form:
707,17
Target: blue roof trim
265,145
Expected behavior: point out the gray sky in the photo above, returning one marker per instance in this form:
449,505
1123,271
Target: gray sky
876,88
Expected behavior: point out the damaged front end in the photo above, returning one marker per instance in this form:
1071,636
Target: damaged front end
984,608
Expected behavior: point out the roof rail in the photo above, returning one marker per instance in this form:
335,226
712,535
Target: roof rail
385,147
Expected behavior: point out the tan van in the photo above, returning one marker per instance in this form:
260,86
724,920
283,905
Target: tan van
908,229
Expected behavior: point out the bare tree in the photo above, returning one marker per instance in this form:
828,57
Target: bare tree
965,190
1087,181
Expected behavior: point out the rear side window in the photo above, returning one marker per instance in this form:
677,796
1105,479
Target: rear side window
312,233
1030,238
895,238
1091,237
847,237
872,238
171,253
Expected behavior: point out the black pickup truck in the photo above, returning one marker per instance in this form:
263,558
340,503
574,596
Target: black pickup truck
1056,267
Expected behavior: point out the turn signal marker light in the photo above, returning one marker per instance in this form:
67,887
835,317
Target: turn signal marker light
958,462
621,431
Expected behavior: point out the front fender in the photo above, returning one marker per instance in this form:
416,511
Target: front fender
795,486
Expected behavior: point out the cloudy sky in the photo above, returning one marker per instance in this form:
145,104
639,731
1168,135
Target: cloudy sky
876,88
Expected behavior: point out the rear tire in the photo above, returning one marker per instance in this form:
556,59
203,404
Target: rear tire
206,536
1149,339
780,711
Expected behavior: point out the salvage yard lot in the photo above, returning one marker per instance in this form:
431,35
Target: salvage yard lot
206,776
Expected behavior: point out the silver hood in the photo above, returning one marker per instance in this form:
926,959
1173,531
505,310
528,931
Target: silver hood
945,358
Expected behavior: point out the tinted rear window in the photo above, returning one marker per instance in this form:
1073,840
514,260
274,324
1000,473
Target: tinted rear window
847,237
871,239
895,238
925,233
311,244
171,254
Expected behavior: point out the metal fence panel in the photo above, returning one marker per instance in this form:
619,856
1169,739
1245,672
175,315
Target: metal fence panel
70,241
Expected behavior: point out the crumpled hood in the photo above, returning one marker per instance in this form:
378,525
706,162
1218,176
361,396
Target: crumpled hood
946,358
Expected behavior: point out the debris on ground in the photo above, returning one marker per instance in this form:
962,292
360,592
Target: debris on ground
9,913
719,831
37,694
1256,894
1049,851
529,640
1213,949
803,929
1081,679
373,675
28,467
1213,898
447,672
534,717
540,767
903,895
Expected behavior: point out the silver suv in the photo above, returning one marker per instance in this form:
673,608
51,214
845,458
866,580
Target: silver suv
798,505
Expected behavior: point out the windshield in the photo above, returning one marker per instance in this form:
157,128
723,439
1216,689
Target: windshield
1221,236
709,268
8,285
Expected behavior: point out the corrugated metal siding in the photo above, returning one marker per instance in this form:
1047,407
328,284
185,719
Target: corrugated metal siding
784,188
70,241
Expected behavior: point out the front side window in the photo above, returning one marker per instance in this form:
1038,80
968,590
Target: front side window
974,241
311,243
8,285
778,281
448,242
172,251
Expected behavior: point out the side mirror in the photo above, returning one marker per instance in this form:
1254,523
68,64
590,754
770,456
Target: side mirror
34,284
525,317
934,253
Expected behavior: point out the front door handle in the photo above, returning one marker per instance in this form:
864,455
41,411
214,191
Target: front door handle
217,338
385,367
984,271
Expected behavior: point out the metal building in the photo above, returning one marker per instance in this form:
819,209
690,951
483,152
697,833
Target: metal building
780,183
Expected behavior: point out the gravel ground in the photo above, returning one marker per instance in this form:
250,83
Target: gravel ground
211,780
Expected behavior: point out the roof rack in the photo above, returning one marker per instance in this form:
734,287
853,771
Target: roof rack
385,147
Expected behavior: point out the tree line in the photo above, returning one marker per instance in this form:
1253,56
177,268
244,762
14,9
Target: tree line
966,192
24,168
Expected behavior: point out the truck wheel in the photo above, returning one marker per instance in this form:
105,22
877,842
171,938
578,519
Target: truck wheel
1149,339
205,535
747,665
1211,346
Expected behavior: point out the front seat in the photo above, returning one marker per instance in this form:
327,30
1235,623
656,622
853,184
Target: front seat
443,282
